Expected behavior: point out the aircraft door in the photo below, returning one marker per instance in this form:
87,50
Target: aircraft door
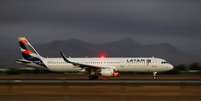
151,65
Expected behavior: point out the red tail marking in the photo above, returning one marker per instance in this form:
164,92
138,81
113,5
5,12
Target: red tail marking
27,52
24,42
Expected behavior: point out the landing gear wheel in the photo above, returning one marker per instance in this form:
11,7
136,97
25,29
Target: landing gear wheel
155,76
93,77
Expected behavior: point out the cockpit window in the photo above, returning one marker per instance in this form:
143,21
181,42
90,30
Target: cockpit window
148,60
164,62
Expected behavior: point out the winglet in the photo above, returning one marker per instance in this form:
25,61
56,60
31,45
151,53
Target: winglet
64,57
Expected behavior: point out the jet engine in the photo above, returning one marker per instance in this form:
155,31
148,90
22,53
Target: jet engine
109,72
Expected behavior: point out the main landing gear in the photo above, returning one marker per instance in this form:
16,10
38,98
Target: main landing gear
93,77
93,74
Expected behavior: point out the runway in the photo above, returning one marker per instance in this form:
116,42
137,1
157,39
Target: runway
60,87
99,90
105,82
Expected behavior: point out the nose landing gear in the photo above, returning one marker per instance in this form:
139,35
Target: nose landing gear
155,76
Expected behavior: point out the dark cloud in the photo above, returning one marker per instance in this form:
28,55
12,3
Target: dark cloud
175,21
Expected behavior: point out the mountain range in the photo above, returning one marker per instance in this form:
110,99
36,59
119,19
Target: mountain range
121,48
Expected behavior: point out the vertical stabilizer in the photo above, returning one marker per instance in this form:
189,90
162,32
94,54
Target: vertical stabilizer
29,53
27,50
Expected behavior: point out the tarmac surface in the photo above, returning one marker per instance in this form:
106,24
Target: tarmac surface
60,88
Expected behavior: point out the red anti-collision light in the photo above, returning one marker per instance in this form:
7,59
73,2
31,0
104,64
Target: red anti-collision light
102,55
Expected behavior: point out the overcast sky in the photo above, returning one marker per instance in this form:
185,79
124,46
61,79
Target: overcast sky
177,22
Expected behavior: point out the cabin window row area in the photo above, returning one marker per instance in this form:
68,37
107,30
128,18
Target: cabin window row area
58,62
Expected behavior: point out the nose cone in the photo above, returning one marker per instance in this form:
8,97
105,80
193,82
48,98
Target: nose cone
170,67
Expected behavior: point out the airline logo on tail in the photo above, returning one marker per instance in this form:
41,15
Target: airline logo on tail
28,52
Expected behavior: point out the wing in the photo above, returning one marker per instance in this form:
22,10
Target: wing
83,65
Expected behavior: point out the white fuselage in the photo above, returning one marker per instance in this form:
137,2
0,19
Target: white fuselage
121,64
94,67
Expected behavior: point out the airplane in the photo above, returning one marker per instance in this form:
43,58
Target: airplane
93,66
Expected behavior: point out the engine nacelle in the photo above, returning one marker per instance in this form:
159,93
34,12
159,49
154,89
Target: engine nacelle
109,72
